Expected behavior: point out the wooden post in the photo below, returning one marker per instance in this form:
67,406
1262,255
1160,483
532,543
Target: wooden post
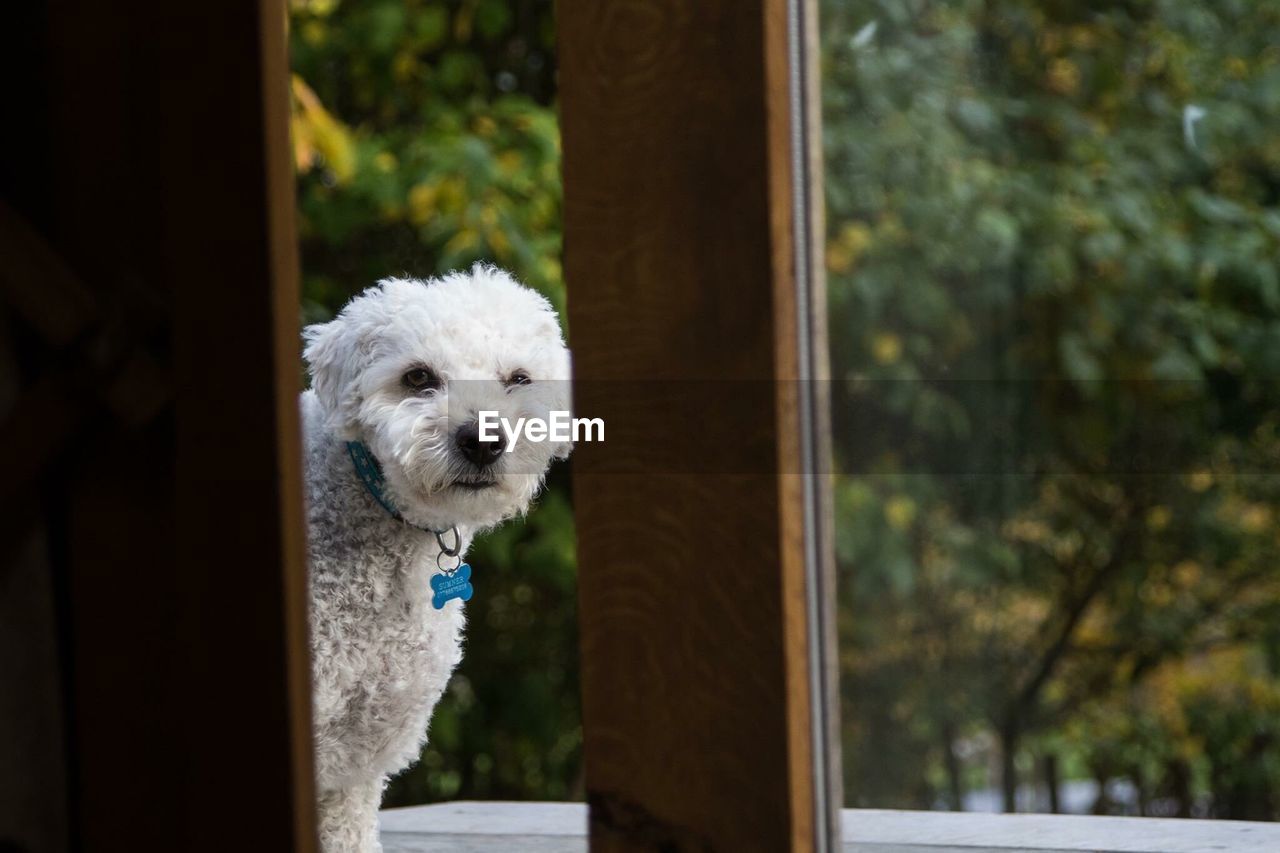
151,269
698,532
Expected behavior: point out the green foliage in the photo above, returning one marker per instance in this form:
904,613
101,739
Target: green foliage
424,142
1053,234
449,153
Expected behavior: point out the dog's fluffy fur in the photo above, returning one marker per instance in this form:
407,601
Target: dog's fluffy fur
381,655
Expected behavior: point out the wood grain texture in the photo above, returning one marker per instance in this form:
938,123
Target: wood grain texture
155,167
679,260
789,363
792,65
280,194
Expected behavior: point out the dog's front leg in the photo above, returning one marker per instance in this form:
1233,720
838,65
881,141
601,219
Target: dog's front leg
349,819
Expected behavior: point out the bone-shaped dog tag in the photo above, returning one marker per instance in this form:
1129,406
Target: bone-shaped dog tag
456,584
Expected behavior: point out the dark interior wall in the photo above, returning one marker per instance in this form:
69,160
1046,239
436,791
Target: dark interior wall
33,781
33,814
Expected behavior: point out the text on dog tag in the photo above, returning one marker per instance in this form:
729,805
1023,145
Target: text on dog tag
456,584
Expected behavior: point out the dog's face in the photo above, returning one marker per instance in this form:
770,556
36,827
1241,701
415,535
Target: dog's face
407,367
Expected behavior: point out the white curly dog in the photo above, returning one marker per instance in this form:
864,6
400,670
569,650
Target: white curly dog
398,380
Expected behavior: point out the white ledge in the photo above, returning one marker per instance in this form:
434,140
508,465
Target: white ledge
471,827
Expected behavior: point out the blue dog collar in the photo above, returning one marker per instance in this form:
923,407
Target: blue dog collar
370,473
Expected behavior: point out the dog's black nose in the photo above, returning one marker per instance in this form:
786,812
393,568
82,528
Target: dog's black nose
477,452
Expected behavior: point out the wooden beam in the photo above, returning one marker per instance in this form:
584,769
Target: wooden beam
692,518
159,174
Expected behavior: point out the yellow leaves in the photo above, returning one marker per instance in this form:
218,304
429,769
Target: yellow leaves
1031,530
541,211
485,127
1200,481
314,33
1067,545
1017,617
510,163
464,21
549,268
1064,544
385,162
319,8
490,219
983,621
1095,629
405,66
1157,59
499,242
429,200
464,241
1187,574
844,250
900,512
1248,517
1029,610
1237,68
318,136
1235,674
1156,594
1082,38
1256,518
1158,518
886,348
855,236
1083,217
1063,77
422,203
890,230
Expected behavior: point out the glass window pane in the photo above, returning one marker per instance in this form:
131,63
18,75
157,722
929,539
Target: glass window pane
1052,235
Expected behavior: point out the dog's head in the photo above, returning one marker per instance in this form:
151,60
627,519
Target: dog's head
407,367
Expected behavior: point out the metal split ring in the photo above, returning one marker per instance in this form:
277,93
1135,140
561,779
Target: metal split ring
457,542
439,565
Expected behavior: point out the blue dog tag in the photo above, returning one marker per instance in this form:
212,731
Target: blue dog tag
455,584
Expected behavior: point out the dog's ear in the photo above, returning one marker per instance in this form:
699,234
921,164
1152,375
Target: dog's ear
333,355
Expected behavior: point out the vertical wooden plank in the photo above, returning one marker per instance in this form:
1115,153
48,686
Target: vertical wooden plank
680,261
172,494
282,244
796,201
239,502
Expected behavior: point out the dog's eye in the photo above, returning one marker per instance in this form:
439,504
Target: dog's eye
518,378
421,379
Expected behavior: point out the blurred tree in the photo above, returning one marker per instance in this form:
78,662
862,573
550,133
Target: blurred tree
425,140
1055,315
